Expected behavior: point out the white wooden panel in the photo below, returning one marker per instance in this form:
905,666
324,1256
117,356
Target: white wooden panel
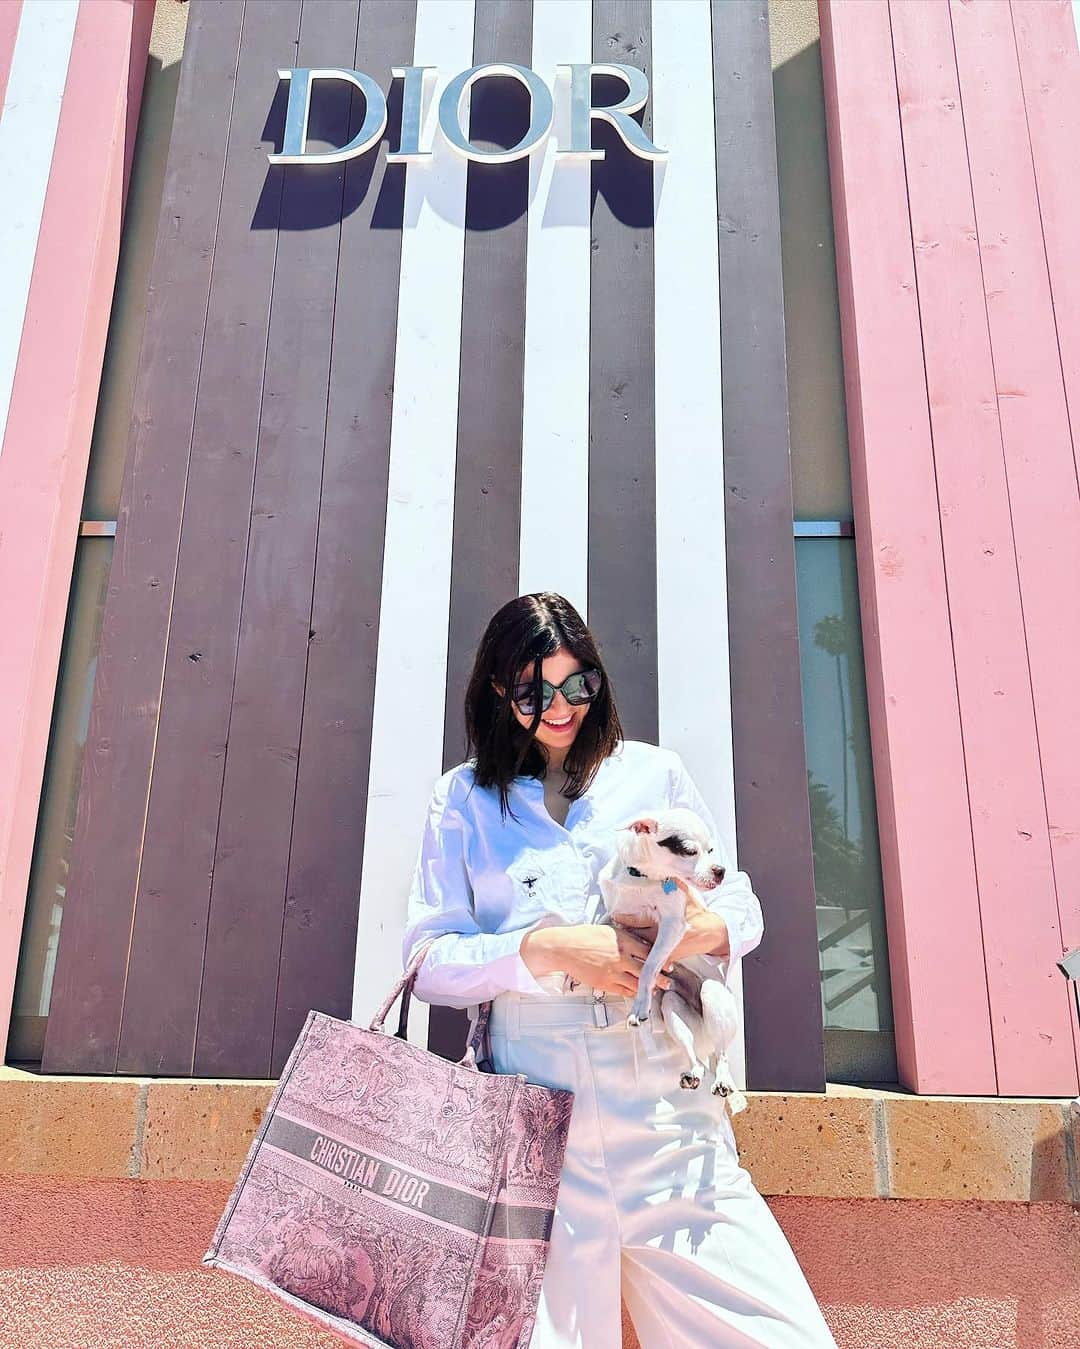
554,550
691,560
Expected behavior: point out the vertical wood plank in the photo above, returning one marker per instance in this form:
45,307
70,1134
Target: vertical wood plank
487,482
247,900
1045,502
1049,59
168,942
328,834
622,484
919,772
691,560
84,1019
1008,810
409,708
555,393
784,1039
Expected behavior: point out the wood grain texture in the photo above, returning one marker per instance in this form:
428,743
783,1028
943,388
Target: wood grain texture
920,775
1045,502
1008,810
239,986
409,710
328,836
1049,61
555,429
180,850
487,481
84,1019
784,1039
622,486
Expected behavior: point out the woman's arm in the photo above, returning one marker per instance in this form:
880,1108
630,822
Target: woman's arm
734,898
464,965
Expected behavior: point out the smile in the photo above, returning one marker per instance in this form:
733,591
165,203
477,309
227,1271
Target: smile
559,725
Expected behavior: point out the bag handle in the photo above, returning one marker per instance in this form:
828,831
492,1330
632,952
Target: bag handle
404,987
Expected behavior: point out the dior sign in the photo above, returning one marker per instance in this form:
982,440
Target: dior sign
582,113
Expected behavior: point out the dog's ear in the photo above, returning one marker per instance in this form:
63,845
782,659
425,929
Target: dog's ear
643,824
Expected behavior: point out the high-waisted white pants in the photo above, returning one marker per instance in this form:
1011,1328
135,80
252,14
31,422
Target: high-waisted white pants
653,1205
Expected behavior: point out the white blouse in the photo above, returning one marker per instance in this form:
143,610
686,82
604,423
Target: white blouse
483,882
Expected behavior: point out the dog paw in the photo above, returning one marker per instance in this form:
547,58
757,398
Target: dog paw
690,1081
736,1101
718,1088
637,1019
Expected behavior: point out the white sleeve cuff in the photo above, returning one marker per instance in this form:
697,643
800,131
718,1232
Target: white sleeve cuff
463,969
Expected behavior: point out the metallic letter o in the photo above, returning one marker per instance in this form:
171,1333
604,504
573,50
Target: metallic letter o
541,110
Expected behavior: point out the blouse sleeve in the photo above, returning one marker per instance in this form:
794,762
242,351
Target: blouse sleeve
733,899
464,966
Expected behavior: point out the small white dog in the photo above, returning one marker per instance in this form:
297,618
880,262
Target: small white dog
655,856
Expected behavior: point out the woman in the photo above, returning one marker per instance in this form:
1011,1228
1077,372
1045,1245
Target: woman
653,1205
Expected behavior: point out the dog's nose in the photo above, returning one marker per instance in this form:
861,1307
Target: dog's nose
718,872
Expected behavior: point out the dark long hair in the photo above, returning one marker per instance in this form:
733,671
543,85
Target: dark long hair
517,639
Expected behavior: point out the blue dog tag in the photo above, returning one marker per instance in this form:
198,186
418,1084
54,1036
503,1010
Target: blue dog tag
668,886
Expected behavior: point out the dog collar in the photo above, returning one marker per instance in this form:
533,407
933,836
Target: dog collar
667,885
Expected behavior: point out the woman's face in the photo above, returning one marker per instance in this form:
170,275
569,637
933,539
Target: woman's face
560,722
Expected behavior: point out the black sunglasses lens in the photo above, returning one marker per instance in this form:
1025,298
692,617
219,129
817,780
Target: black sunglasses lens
523,696
578,688
582,687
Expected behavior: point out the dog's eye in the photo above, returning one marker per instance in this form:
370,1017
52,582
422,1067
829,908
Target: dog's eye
678,846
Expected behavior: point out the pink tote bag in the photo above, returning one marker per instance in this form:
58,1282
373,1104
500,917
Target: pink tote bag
405,1200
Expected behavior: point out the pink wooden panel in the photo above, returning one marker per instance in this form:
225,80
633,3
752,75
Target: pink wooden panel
939,984
1008,810
1046,41
43,466
1042,470
9,30
1046,45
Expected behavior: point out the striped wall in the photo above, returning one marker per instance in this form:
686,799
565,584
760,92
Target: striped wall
375,402
71,78
958,234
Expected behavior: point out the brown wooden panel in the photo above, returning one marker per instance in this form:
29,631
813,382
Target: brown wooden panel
784,1041
247,902
169,938
487,486
622,471
319,937
84,1019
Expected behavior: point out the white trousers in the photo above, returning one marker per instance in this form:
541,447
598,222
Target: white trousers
653,1205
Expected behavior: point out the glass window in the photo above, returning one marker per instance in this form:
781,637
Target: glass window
850,906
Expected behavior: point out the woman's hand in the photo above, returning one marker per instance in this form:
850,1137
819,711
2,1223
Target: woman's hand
607,959
706,932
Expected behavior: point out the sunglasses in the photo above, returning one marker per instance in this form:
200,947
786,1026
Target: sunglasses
580,687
